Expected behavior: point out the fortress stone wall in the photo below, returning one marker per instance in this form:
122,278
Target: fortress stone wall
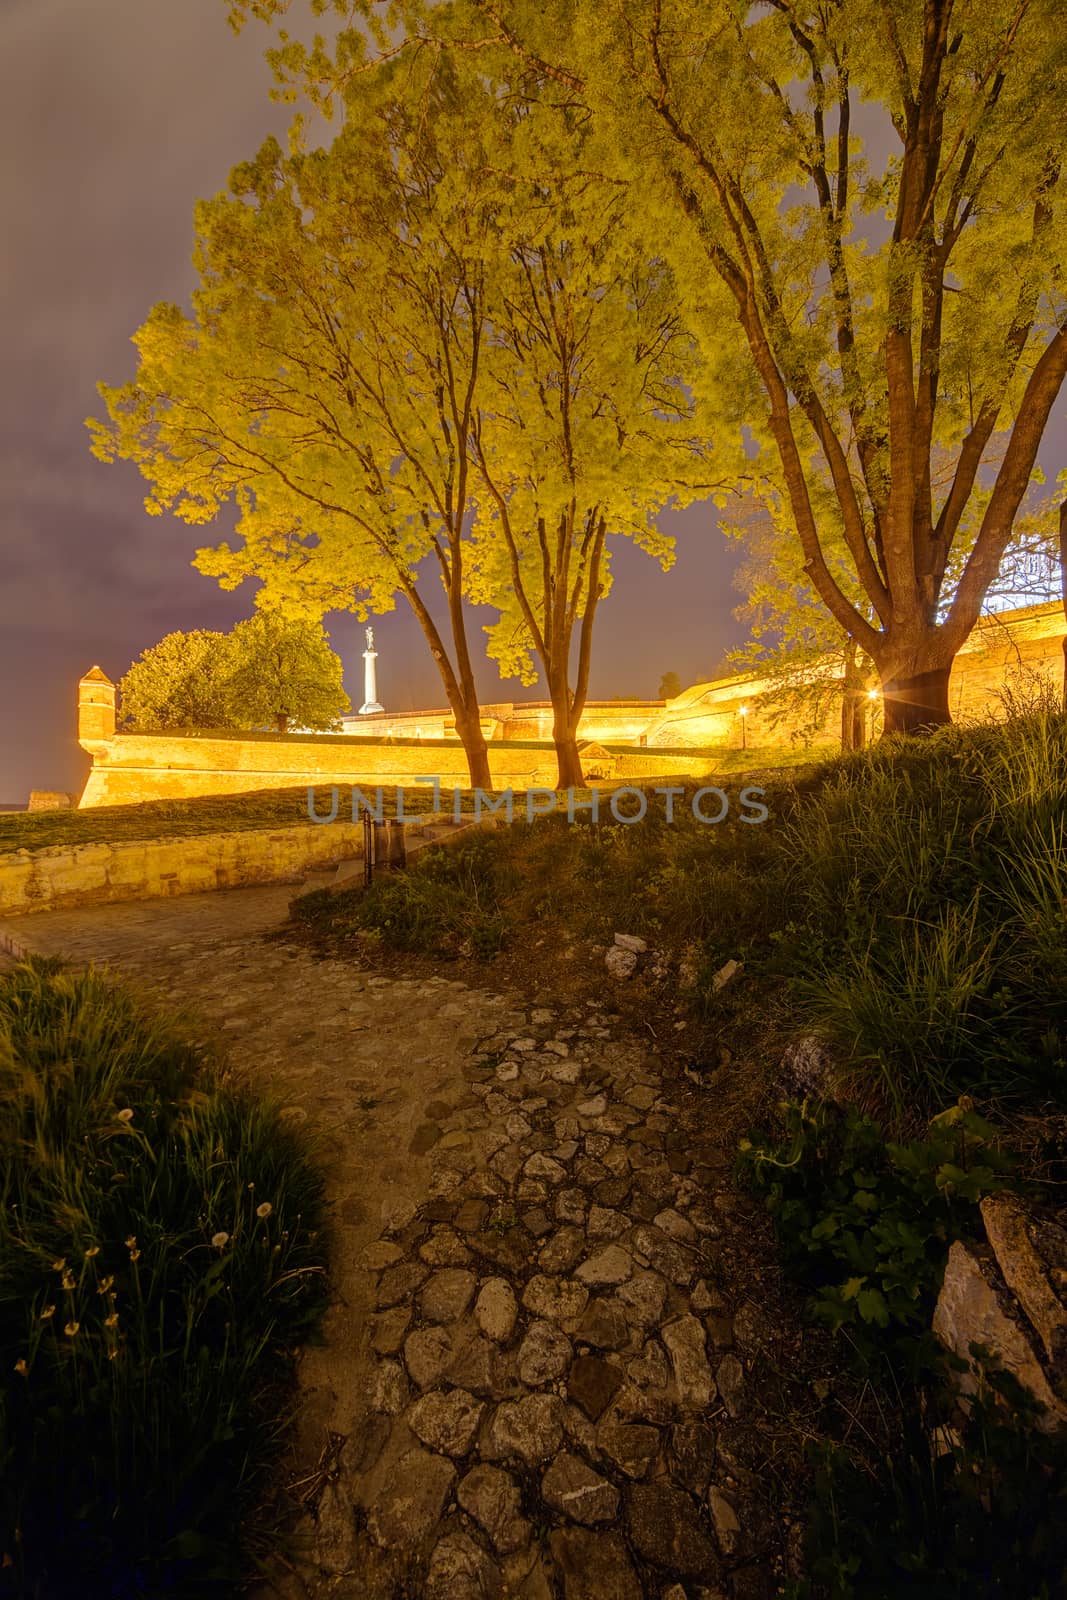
625,739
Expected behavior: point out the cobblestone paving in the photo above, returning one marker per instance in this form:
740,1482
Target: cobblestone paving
533,1382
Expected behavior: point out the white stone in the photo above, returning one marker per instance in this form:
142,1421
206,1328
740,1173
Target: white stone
620,963
725,973
630,941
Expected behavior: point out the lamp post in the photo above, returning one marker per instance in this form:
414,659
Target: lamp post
742,712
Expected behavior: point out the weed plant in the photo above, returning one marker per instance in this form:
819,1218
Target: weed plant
161,1253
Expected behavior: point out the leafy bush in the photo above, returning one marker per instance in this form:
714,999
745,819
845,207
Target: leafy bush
160,1252
948,1503
866,1223
447,902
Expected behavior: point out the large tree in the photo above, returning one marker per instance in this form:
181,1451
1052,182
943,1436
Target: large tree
284,674
433,344
591,423
326,378
868,198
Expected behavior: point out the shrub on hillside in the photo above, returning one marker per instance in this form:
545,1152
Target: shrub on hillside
928,887
160,1254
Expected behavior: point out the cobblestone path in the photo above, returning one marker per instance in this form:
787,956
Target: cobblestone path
533,1382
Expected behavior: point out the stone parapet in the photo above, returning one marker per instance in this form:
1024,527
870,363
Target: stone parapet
96,873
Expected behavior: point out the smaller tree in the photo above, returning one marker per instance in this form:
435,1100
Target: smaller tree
181,682
794,642
284,672
270,671
670,686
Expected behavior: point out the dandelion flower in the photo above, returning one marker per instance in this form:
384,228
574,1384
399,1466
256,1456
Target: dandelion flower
220,1240
131,1242
105,1284
49,1311
58,1266
112,1321
71,1329
21,1368
93,1250
265,1209
112,1353
135,1255
69,1281
125,1115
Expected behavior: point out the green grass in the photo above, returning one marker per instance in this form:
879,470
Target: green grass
161,819
653,878
161,1253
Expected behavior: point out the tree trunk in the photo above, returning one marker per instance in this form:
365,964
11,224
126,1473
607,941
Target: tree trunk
472,738
853,719
859,722
1063,590
565,729
569,762
916,702
281,722
853,702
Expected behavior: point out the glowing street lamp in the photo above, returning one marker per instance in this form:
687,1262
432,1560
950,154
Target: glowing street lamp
742,712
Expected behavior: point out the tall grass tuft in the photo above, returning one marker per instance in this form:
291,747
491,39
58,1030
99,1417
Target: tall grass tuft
161,1252
931,879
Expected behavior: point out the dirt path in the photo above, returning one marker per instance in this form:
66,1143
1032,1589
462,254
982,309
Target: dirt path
534,1376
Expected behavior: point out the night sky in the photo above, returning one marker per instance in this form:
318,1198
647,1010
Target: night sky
115,117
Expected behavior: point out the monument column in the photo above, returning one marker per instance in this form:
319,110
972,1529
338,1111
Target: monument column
370,688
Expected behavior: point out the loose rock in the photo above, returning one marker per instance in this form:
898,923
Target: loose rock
666,1530
595,1566
572,1487
446,1422
496,1309
610,1266
544,1354
730,1377
459,1570
593,1384
530,1428
408,1505
684,1339
447,1295
620,963
557,1299
491,1496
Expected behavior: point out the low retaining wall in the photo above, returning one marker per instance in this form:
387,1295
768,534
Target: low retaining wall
92,874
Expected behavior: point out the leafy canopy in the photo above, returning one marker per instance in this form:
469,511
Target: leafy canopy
269,671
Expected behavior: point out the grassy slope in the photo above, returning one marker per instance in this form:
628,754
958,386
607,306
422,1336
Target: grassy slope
279,808
159,819
908,903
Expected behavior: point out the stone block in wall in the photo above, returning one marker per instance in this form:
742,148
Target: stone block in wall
50,800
